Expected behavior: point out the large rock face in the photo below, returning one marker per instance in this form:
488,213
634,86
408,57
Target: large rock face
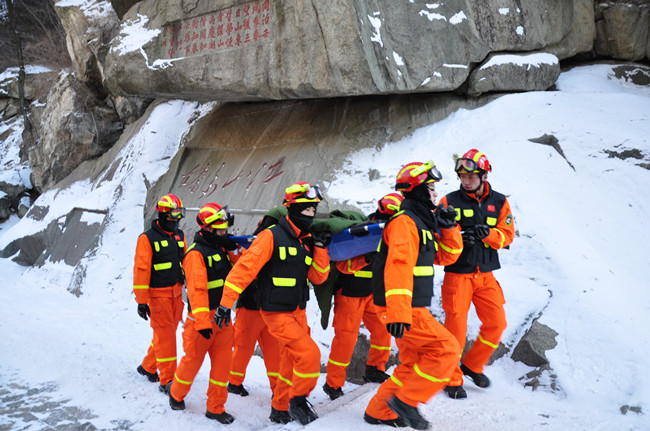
233,50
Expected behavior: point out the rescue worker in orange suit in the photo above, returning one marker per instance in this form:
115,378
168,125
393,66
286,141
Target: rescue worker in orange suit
282,258
413,241
353,302
250,329
485,218
207,264
158,284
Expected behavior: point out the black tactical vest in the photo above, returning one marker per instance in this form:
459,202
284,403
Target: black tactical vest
217,265
357,285
166,265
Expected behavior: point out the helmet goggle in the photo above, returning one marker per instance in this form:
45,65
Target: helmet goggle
171,209
433,174
223,216
308,192
466,165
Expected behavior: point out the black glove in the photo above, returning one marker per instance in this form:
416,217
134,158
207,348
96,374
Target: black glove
481,231
322,239
144,311
370,257
397,329
221,316
206,333
227,243
446,216
468,238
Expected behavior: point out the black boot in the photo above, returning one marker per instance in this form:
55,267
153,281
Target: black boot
224,418
165,388
374,375
408,414
331,392
280,416
456,392
237,389
152,377
301,410
176,405
397,423
480,380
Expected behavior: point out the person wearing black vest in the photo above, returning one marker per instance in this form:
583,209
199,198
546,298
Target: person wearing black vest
487,224
284,258
413,241
158,285
207,263
353,302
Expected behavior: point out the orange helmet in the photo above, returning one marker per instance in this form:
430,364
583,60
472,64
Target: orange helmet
214,215
413,174
170,203
472,161
301,192
389,204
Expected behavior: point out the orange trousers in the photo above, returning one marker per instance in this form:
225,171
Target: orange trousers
348,313
166,313
299,356
249,330
458,292
219,347
428,354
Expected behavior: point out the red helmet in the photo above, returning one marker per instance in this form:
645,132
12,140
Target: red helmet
390,203
214,215
472,161
413,174
301,192
170,203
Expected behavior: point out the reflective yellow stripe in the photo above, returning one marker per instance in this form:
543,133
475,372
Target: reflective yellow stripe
372,346
284,282
166,359
428,377
214,257
423,271
484,341
307,375
451,250
283,253
399,292
397,382
164,243
181,381
272,374
363,274
468,212
503,238
215,283
214,382
340,364
181,244
285,380
426,236
491,221
201,310
308,260
156,245
140,286
236,374
233,287
293,251
162,266
457,214
319,269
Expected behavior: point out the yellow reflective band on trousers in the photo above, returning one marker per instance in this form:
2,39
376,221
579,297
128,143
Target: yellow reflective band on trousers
423,271
234,373
397,382
214,382
140,286
215,283
340,364
484,341
284,282
233,287
272,374
285,380
419,372
399,292
166,359
162,266
363,274
307,375
183,382
372,346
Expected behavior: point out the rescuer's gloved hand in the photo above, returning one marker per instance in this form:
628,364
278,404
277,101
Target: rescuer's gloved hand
206,333
468,238
481,231
396,329
226,242
144,311
446,216
322,239
221,316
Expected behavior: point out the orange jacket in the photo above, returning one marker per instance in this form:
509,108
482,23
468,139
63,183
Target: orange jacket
142,274
258,254
196,279
403,241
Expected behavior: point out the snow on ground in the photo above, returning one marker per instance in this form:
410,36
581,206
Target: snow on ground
579,261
